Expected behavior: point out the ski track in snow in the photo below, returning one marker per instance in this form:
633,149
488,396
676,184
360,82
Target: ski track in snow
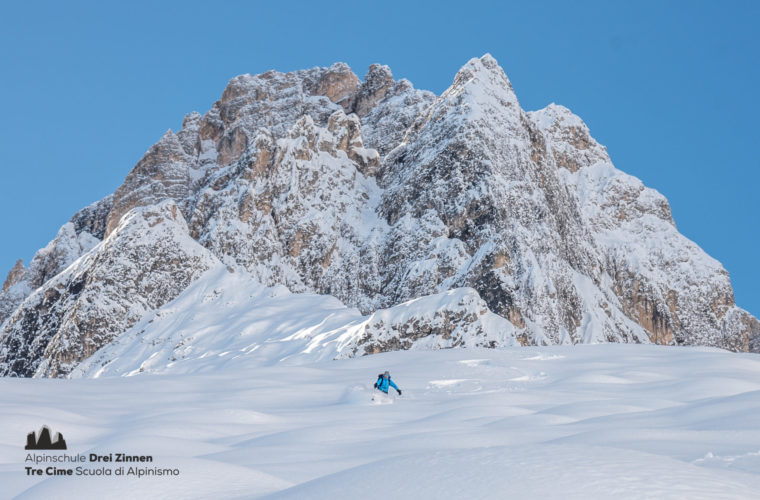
590,421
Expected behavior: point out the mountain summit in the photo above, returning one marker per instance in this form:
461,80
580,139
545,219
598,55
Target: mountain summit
451,220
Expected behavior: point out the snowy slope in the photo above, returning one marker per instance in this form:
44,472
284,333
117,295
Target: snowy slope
227,319
600,421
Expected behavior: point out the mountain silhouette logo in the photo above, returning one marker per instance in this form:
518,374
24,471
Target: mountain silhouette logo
43,441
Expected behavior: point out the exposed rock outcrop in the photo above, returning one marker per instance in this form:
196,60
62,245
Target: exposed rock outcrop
14,275
146,261
457,318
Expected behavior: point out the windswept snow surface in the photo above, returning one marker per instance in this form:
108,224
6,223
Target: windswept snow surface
586,421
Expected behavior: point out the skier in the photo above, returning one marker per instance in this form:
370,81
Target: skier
384,381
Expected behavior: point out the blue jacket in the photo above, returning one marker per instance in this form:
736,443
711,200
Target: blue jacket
383,384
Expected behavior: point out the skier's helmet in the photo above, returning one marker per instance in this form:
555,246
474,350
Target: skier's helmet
386,374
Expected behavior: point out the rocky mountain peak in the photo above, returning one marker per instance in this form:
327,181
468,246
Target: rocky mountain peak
163,173
14,275
571,143
188,136
375,86
482,80
338,83
449,220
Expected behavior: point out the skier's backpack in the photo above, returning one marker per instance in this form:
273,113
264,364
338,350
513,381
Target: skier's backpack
377,382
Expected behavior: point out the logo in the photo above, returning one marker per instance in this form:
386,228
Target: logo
43,441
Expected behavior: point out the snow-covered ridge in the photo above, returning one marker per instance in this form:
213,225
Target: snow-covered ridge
228,319
380,195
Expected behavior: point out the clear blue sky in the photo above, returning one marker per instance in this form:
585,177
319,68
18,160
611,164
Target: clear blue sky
669,87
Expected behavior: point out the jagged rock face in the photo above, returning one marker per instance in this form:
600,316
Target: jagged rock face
377,83
48,262
146,261
15,290
385,125
379,193
469,165
663,281
163,173
94,218
85,229
14,275
293,211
